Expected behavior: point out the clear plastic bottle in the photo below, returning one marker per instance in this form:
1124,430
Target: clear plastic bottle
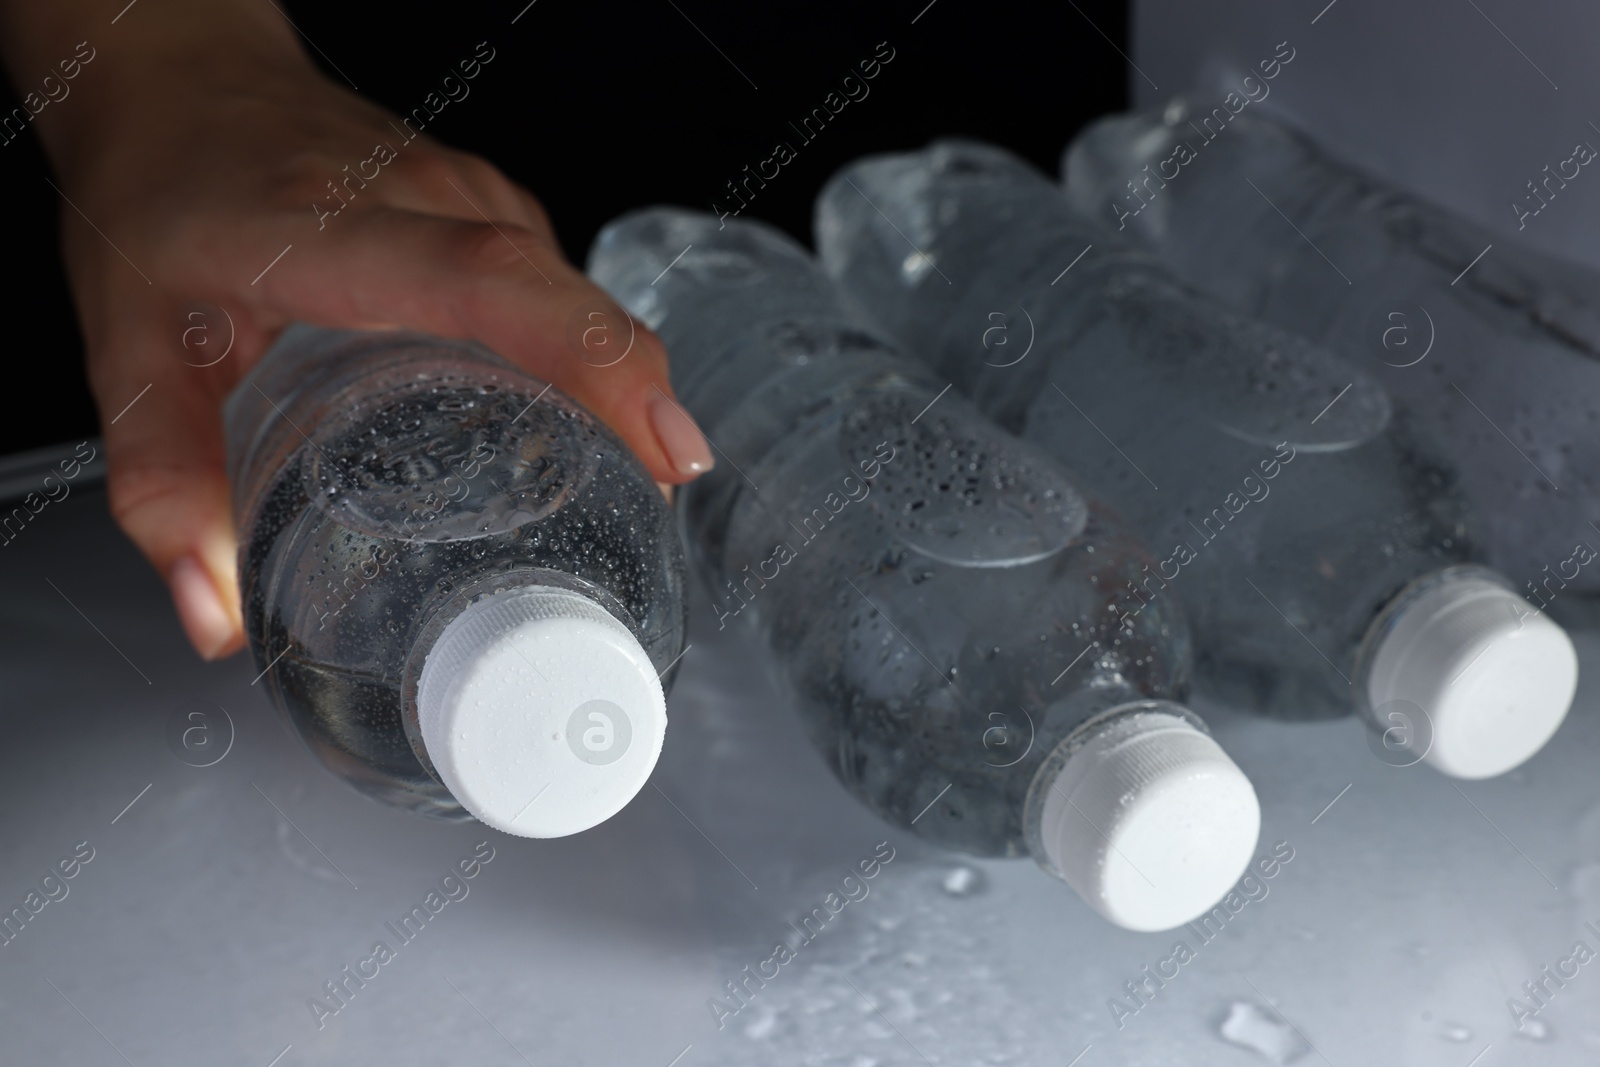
944,602
1309,530
461,587
1497,351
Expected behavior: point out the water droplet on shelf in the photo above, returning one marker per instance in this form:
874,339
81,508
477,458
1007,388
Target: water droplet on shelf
1262,1031
1534,1030
965,882
763,1026
1455,1032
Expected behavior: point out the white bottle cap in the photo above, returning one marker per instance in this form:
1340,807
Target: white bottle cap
540,711
1150,821
1493,677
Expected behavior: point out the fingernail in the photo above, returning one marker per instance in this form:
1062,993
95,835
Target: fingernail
666,490
679,437
200,608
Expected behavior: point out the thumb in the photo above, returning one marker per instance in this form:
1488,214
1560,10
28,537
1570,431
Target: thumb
167,481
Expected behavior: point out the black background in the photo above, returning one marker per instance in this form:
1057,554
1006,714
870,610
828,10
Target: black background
602,107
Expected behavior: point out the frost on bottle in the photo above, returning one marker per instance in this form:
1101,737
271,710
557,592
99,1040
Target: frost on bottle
940,597
1321,547
460,586
1498,351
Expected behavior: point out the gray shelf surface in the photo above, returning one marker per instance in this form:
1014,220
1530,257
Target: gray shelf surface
219,899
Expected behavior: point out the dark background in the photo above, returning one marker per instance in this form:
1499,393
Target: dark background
601,107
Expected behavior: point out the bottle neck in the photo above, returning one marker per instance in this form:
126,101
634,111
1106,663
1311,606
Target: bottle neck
1100,708
1404,667
453,598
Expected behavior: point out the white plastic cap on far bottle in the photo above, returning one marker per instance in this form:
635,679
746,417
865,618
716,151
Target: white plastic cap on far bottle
540,711
1492,677
1150,821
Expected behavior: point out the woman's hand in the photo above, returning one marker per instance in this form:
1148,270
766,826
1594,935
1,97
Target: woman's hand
217,194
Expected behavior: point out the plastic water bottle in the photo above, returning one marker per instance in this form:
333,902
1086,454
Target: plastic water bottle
461,587
1497,349
943,601
1322,549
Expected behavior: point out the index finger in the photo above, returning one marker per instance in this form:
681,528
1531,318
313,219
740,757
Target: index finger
510,288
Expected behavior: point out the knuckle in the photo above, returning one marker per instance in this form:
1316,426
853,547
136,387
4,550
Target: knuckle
477,170
497,250
652,352
135,491
146,496
432,172
300,178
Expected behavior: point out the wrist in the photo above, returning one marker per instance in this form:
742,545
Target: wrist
164,66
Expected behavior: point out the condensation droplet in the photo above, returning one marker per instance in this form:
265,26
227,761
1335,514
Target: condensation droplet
965,882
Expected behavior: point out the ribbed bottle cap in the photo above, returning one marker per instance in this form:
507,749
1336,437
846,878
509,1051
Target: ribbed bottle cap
1150,821
1493,677
540,711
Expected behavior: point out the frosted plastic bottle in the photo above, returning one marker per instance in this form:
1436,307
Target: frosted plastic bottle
461,587
1323,551
1497,351
941,599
